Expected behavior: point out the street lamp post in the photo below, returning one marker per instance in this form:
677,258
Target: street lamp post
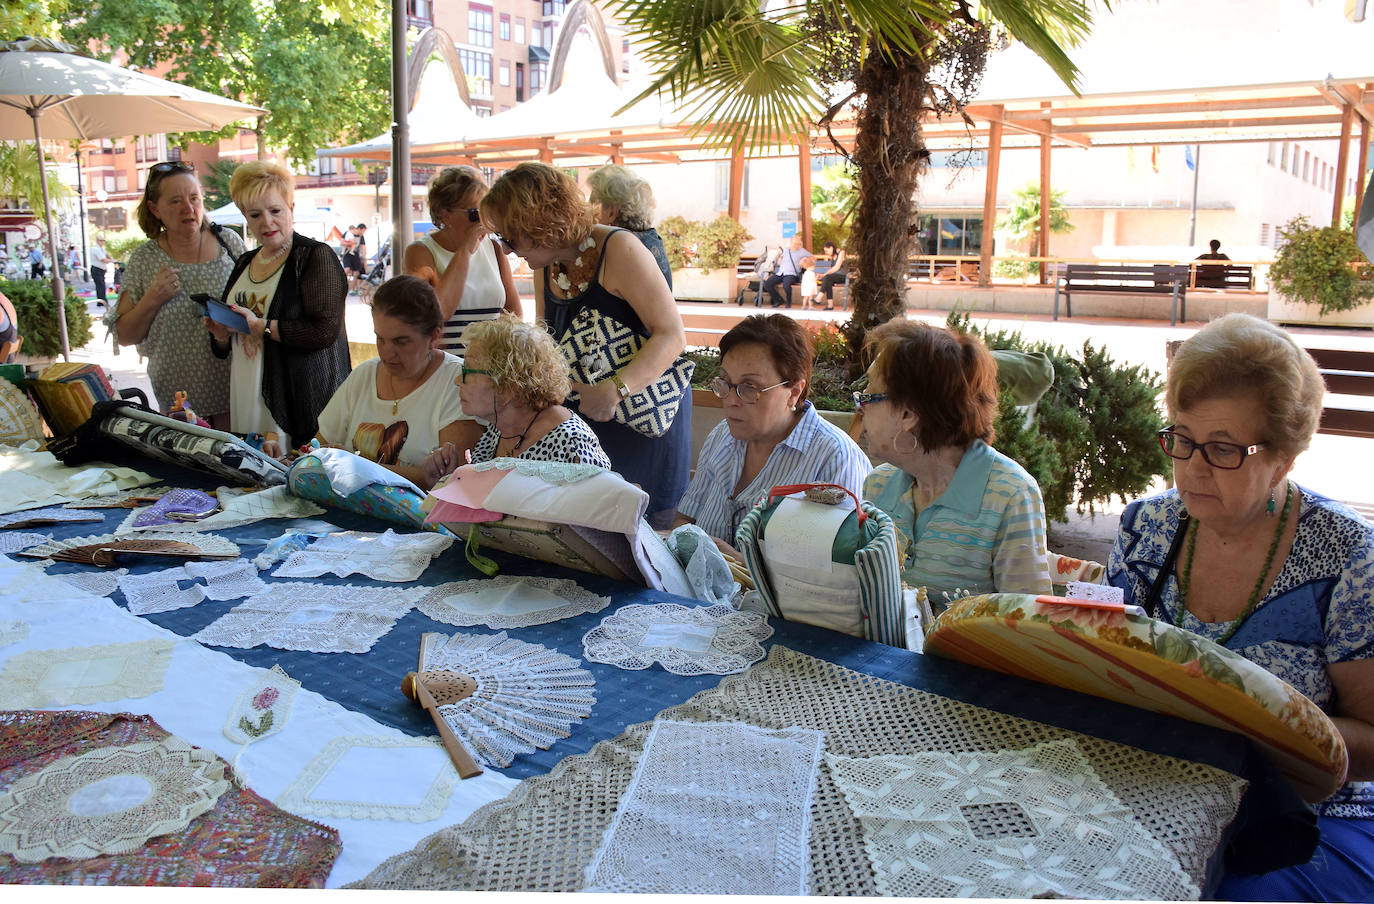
81,209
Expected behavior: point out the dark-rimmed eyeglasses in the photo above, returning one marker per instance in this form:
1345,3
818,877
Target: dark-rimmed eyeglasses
472,370
1227,456
473,216
748,393
868,398
171,166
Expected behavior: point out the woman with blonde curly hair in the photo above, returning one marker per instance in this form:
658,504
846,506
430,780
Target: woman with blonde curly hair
625,200
469,274
514,378
538,212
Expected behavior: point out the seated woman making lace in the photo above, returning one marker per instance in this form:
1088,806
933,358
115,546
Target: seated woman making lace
969,519
395,408
514,378
771,434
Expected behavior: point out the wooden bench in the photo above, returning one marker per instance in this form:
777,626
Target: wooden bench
1136,279
1227,277
1346,372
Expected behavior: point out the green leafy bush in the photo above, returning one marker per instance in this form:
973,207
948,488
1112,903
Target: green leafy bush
34,308
121,243
709,246
1313,265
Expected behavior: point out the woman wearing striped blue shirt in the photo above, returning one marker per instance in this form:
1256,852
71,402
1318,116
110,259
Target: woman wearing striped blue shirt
771,434
969,519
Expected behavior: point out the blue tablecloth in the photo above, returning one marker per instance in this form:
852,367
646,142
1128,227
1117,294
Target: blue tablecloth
1271,830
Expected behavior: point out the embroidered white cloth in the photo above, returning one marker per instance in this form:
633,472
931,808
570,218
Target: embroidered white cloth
238,507
108,801
158,591
713,808
509,601
263,707
328,785
706,640
383,557
1025,823
527,696
52,513
18,541
319,618
1104,593
100,583
227,580
116,671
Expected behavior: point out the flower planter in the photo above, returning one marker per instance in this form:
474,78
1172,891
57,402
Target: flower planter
695,284
1282,309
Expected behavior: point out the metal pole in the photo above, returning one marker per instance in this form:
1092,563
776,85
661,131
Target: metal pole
58,290
1197,170
400,137
81,208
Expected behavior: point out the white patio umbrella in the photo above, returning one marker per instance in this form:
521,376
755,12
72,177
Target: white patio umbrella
49,89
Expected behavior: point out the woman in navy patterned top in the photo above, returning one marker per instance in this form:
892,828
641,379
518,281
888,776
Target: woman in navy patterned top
1279,574
514,378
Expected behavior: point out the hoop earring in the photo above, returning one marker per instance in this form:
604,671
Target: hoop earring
915,445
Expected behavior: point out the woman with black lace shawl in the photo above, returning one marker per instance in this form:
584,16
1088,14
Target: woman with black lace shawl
291,290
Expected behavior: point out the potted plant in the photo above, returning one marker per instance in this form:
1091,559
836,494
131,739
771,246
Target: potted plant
1320,276
704,256
35,311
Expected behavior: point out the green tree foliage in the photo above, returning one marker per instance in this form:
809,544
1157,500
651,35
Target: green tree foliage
19,179
1314,266
695,243
834,200
1022,221
28,17
321,74
214,183
34,310
765,74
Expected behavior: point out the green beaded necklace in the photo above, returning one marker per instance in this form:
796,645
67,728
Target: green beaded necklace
1183,579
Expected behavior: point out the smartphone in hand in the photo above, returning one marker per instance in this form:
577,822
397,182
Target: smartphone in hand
220,312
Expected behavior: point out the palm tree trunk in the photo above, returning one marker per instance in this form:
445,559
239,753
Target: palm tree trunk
891,156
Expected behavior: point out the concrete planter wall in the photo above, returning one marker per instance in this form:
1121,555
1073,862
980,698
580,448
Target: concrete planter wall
695,284
1283,309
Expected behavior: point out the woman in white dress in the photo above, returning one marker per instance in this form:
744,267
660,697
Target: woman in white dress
469,273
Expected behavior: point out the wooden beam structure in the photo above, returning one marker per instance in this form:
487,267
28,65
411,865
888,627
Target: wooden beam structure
985,248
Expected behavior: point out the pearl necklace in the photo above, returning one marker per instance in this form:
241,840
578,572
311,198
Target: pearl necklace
264,258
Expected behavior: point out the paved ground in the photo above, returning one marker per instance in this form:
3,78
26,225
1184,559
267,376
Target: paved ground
1334,465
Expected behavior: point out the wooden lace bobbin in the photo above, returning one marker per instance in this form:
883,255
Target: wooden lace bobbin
434,688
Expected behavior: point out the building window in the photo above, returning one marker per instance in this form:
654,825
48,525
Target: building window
520,82
121,181
477,67
949,235
548,34
519,30
479,26
1273,152
723,186
553,7
482,112
625,55
503,74
1283,161
503,25
1264,234
1307,166
109,182
1296,160
539,73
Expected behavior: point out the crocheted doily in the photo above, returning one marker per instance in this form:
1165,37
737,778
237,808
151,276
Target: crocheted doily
387,556
317,618
1019,824
108,801
509,601
227,580
545,833
98,583
19,541
705,640
527,696
115,671
318,791
50,513
721,807
158,591
562,472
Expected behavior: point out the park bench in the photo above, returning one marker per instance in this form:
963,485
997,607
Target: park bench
1227,277
1346,372
1136,279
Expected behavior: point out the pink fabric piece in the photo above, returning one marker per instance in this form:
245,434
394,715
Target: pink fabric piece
461,498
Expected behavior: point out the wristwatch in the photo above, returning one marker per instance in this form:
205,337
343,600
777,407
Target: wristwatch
620,386
266,331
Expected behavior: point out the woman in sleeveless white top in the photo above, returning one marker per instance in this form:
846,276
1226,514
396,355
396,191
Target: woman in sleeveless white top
471,277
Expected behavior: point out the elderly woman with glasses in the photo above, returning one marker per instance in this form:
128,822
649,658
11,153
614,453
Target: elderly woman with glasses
1241,555
593,274
623,199
181,258
771,434
969,519
471,277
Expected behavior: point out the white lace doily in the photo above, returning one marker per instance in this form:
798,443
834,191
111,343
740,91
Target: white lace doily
383,557
99,583
561,472
713,808
158,591
211,544
263,707
19,541
349,779
227,580
1025,823
108,801
509,601
317,618
119,500
13,631
1103,593
527,696
97,674
52,512
706,640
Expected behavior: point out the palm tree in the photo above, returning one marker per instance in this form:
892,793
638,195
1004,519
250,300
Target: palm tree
766,73
1022,219
19,179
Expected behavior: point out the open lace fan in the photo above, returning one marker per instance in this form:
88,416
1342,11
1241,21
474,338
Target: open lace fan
500,696
106,550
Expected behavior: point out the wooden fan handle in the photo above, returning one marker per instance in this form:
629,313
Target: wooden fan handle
462,760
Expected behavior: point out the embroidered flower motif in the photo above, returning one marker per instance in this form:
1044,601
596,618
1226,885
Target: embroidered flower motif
265,698
587,244
562,282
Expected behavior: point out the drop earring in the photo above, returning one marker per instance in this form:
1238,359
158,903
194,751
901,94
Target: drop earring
1269,509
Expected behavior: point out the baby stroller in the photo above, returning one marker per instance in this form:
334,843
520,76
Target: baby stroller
377,275
764,267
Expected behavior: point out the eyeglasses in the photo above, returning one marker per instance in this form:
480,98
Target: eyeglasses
1227,456
748,393
171,166
868,398
472,370
472,215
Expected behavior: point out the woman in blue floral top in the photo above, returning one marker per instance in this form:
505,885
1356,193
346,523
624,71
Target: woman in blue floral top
1279,574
